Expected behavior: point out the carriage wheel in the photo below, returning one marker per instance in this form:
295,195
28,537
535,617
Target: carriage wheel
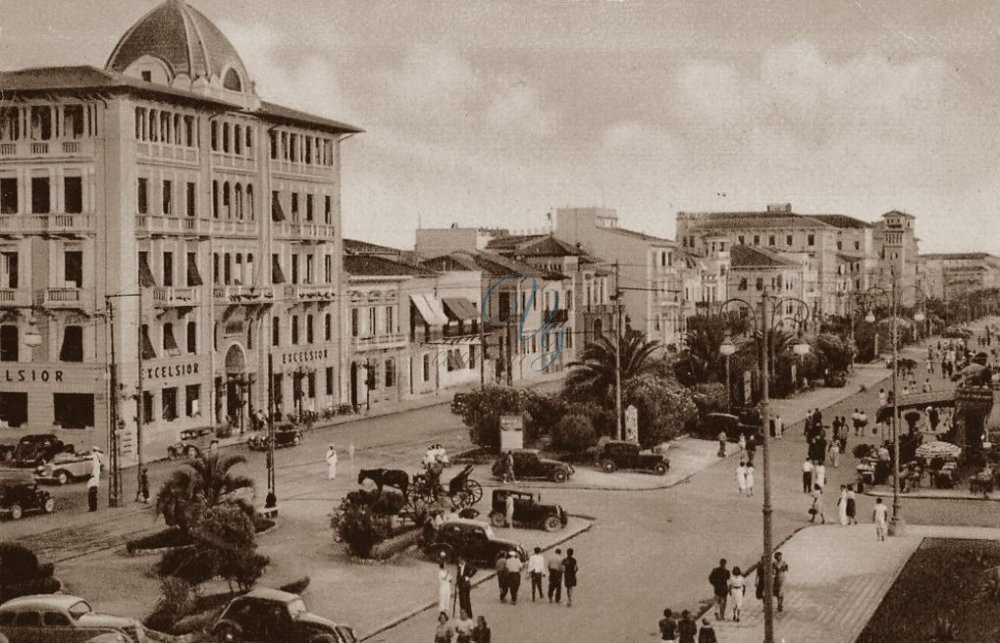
475,490
461,500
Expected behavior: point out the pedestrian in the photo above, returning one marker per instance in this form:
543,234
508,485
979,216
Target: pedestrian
816,509
331,463
779,426
741,477
508,506
719,580
856,420
751,448
555,564
883,397
444,579
481,633
879,516
722,443
835,452
737,589
668,626
864,422
92,485
687,628
819,475
807,476
501,568
514,567
144,485
707,632
213,448
742,444
927,385
508,469
464,627
463,584
570,570
842,506
444,631
749,477
852,507
779,570
537,570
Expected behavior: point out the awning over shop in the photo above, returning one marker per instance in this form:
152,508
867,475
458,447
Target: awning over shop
459,309
918,401
431,314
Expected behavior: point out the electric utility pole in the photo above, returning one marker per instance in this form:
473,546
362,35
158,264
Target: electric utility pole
618,354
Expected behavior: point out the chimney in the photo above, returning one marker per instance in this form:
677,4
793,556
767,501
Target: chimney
783,208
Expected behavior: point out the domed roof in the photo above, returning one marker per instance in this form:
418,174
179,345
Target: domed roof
185,40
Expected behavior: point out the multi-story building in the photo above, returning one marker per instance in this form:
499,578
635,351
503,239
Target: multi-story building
949,275
783,275
656,277
898,255
159,211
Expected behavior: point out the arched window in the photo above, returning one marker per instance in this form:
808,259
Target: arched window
153,128
238,192
237,139
232,81
250,204
225,137
226,202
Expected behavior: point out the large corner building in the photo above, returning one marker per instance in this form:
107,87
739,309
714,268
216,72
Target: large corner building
160,211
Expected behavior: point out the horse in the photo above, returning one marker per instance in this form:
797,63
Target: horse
396,478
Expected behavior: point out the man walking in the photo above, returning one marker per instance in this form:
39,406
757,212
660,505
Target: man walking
879,516
92,485
513,567
331,463
501,569
719,580
779,569
554,563
537,569
779,427
807,476
463,584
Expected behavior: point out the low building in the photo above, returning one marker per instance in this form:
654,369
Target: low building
952,274
782,275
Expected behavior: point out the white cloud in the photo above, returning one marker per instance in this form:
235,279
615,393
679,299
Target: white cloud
517,108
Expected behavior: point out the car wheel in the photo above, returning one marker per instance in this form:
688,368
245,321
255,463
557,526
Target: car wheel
49,505
609,466
62,477
16,512
191,452
498,519
552,523
559,475
441,551
228,634
660,469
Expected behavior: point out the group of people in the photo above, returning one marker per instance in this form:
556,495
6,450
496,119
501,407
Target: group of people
560,570
729,587
457,588
685,628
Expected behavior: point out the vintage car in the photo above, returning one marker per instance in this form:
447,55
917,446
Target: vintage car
528,511
272,616
713,423
33,450
474,540
285,435
59,617
620,454
191,443
66,467
528,464
20,493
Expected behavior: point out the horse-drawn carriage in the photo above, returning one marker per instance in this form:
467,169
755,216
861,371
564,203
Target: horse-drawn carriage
426,488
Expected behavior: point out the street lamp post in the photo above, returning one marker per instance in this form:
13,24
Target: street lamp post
727,349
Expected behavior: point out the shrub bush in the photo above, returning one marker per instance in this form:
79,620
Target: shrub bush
665,407
482,409
177,600
360,528
389,503
171,537
574,433
22,575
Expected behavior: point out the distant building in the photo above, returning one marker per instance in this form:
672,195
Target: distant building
951,274
784,275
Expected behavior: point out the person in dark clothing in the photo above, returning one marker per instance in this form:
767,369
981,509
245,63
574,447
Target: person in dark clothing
481,633
687,628
144,485
501,567
707,633
463,584
668,626
719,580
570,569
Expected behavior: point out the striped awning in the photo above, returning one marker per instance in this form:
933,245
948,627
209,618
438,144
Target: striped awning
459,309
433,315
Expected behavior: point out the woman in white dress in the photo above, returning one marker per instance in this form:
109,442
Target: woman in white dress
749,479
737,588
444,587
741,478
842,506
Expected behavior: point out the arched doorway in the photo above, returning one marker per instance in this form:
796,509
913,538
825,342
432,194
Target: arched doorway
236,384
354,383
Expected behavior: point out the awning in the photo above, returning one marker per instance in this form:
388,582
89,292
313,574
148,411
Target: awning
277,213
431,316
459,309
146,279
277,275
437,310
148,352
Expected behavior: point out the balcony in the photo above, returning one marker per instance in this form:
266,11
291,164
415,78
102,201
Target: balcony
47,149
243,294
311,292
158,226
301,169
305,231
63,225
234,227
167,152
223,161
376,342
166,297
66,298
15,298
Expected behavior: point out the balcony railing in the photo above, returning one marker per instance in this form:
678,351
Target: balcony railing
65,298
287,167
393,340
170,296
234,227
60,224
172,225
167,151
15,297
311,292
223,161
243,294
55,148
304,230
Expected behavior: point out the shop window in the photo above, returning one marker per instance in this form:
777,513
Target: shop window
14,408
8,196
73,194
168,403
40,198
73,268
192,337
192,400
72,345
73,410
142,196
9,343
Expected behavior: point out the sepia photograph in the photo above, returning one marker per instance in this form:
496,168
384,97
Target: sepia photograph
499,321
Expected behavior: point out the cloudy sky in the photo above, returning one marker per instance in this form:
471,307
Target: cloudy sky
495,112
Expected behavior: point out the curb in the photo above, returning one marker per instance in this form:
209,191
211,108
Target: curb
486,578
888,494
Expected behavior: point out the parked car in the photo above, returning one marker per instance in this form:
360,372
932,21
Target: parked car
528,464
272,616
33,450
62,618
712,423
66,467
472,539
620,454
20,493
191,443
285,435
528,510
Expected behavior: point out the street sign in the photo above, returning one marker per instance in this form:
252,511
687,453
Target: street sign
632,423
511,432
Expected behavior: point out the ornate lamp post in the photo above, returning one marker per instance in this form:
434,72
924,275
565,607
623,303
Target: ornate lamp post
727,349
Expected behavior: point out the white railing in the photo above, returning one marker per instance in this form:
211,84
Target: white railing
392,340
47,148
167,151
52,222
171,296
15,296
243,294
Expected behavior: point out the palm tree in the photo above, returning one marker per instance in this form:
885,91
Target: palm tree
203,482
593,376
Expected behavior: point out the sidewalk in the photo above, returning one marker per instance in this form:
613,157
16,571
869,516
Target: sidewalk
836,580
